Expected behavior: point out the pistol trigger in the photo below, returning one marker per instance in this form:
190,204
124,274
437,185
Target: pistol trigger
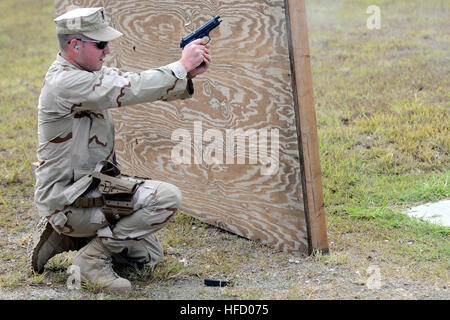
209,40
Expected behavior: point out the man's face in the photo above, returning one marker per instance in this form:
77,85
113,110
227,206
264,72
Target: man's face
90,57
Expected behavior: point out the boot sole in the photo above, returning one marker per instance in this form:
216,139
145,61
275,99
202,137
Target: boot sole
40,235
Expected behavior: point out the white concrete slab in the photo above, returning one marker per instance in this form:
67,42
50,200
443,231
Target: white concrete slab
437,212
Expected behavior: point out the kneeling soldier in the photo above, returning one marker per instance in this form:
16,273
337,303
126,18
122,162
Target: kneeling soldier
84,201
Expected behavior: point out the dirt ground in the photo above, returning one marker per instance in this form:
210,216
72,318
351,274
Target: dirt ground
257,272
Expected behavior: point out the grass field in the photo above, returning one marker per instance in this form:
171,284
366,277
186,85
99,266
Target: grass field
382,102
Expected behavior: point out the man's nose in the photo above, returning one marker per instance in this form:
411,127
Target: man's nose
106,50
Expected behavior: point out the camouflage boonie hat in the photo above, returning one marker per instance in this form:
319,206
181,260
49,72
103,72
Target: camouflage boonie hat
90,22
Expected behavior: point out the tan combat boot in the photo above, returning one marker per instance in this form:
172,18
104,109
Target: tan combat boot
46,243
94,261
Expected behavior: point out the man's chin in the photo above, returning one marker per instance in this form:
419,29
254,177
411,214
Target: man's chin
95,68
99,66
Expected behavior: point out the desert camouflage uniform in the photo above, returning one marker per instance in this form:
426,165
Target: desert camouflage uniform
76,131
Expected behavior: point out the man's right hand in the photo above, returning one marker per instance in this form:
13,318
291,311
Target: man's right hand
194,54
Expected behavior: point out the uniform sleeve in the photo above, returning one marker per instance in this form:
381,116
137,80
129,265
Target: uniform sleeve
111,87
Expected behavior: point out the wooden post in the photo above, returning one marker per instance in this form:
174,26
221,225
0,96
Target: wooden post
308,143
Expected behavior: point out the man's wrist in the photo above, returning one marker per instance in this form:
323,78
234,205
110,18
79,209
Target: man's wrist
189,76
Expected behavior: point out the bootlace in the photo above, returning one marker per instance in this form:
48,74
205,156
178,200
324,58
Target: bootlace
107,265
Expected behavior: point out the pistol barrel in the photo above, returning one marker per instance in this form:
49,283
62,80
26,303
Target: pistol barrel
201,32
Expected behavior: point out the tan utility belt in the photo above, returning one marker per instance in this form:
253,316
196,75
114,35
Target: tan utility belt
117,194
82,202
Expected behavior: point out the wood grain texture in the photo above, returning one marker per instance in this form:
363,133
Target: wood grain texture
247,87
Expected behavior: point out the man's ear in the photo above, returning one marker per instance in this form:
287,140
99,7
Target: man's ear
75,46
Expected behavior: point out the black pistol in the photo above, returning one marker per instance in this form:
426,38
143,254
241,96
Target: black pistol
201,32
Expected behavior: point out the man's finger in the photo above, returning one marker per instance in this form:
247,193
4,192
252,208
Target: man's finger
198,41
207,57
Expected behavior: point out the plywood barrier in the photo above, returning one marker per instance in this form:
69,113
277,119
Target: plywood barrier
248,136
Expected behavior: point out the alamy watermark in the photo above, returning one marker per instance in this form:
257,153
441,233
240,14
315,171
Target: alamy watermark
227,147
74,280
374,20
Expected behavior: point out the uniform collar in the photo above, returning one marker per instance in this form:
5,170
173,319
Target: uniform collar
64,62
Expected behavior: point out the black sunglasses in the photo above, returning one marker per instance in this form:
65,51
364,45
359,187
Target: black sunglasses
100,44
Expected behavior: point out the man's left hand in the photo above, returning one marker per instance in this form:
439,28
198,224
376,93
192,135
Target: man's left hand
206,61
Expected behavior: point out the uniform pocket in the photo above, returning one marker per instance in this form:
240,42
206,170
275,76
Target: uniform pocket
100,133
145,195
